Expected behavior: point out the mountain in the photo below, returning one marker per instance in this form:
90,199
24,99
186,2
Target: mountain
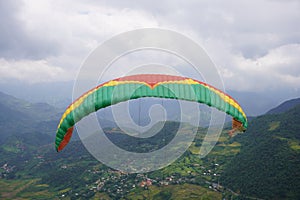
58,94
24,128
263,162
146,111
285,106
36,111
267,165
260,102
19,117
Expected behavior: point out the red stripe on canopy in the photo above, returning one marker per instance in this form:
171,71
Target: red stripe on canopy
151,79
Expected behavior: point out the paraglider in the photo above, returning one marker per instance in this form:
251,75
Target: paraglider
147,85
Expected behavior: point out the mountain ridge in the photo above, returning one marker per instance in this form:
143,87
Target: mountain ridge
285,106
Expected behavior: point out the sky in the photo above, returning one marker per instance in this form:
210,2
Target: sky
255,45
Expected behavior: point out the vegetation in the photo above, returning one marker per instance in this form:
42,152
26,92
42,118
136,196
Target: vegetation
269,158
184,191
261,163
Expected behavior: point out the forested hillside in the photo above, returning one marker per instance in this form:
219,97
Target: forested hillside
269,160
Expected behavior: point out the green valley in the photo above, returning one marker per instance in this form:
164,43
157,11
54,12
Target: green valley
261,163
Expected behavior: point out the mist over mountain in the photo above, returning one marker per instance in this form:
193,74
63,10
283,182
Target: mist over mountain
59,94
285,106
260,102
19,117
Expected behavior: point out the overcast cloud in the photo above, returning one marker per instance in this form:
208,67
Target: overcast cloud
255,44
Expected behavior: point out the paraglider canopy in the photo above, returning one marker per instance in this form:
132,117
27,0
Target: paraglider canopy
147,85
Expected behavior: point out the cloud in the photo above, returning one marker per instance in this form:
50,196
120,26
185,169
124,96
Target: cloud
58,36
76,27
32,71
16,42
253,43
277,70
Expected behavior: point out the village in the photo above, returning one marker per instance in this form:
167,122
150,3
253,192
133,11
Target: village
118,184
